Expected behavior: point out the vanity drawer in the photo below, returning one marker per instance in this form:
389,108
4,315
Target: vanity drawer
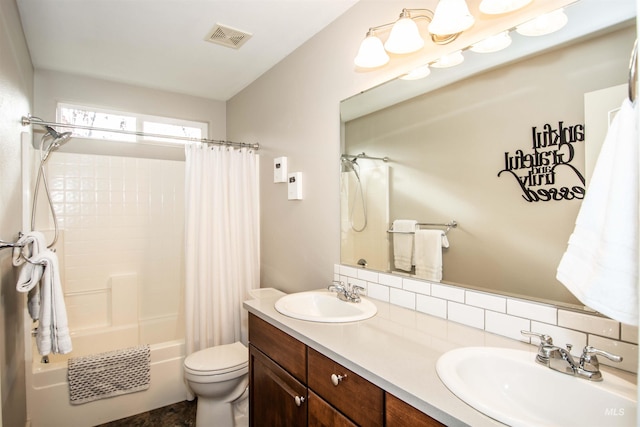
357,398
283,349
400,414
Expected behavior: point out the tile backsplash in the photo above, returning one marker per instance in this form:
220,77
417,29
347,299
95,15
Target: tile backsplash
501,315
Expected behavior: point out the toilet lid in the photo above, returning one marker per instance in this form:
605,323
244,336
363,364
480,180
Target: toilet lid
219,359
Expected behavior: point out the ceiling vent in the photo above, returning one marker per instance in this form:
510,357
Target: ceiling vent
227,36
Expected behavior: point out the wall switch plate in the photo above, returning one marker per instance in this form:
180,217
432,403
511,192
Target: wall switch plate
280,169
295,186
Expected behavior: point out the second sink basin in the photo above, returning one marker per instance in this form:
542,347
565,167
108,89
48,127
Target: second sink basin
509,386
324,306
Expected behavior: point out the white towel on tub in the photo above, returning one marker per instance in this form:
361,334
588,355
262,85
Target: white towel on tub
30,244
53,329
403,243
600,266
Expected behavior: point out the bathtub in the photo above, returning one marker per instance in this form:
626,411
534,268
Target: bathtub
48,390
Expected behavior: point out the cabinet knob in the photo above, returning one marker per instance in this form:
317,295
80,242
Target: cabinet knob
336,379
299,400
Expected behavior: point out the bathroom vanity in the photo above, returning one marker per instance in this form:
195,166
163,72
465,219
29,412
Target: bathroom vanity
375,372
293,384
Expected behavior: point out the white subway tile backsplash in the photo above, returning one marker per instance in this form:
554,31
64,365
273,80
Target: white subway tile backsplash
504,316
390,280
629,352
368,275
490,302
377,291
416,286
629,333
447,292
402,298
466,314
433,306
505,325
561,336
592,324
533,311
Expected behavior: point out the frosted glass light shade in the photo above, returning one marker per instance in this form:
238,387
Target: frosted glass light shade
497,7
451,17
371,53
404,37
450,60
492,44
544,24
417,73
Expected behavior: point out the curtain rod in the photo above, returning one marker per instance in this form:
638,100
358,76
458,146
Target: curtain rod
30,120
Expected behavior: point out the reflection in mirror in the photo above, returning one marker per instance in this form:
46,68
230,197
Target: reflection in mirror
501,151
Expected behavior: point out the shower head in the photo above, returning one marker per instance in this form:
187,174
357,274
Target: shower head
59,139
349,166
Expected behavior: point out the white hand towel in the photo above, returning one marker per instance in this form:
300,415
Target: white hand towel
429,245
53,330
28,244
600,266
403,243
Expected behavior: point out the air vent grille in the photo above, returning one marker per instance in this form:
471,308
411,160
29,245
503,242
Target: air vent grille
227,36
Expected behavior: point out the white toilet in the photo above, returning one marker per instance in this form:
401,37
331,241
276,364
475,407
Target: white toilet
218,376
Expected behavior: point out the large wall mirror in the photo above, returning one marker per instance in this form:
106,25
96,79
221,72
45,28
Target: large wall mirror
457,144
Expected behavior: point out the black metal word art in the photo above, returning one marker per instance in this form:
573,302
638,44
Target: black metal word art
535,172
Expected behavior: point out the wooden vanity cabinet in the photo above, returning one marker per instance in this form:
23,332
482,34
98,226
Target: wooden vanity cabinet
357,398
291,384
400,414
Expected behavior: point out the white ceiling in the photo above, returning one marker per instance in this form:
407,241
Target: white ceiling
160,43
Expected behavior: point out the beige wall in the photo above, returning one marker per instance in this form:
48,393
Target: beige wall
293,111
16,93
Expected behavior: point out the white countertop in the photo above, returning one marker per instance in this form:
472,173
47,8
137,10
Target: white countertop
397,350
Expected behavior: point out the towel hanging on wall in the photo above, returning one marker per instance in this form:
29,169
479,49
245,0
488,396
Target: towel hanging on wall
600,266
403,243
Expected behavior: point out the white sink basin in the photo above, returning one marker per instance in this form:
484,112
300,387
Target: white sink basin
324,306
509,386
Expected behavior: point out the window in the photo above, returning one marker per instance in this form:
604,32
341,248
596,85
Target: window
129,122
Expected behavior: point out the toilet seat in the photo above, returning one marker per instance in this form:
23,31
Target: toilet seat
218,360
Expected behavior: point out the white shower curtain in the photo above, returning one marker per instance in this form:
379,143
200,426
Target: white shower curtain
222,253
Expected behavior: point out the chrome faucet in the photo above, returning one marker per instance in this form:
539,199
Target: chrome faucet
561,360
348,292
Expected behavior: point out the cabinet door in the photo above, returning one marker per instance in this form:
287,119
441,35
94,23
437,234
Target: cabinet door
354,396
275,397
282,348
321,414
401,414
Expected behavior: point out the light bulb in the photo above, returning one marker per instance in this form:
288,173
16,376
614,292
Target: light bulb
417,73
451,17
544,24
404,37
492,44
371,53
450,60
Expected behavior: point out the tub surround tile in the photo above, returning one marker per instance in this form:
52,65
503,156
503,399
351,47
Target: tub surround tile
499,315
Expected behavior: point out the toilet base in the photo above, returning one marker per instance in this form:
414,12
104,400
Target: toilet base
214,413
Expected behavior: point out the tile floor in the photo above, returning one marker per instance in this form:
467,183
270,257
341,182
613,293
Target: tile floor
182,414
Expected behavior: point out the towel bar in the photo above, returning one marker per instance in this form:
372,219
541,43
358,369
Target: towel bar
449,225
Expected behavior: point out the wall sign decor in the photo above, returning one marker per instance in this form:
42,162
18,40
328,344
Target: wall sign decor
553,148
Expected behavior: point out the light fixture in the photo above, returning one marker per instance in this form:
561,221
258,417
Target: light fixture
371,53
451,17
450,60
544,24
417,73
405,36
492,44
497,7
